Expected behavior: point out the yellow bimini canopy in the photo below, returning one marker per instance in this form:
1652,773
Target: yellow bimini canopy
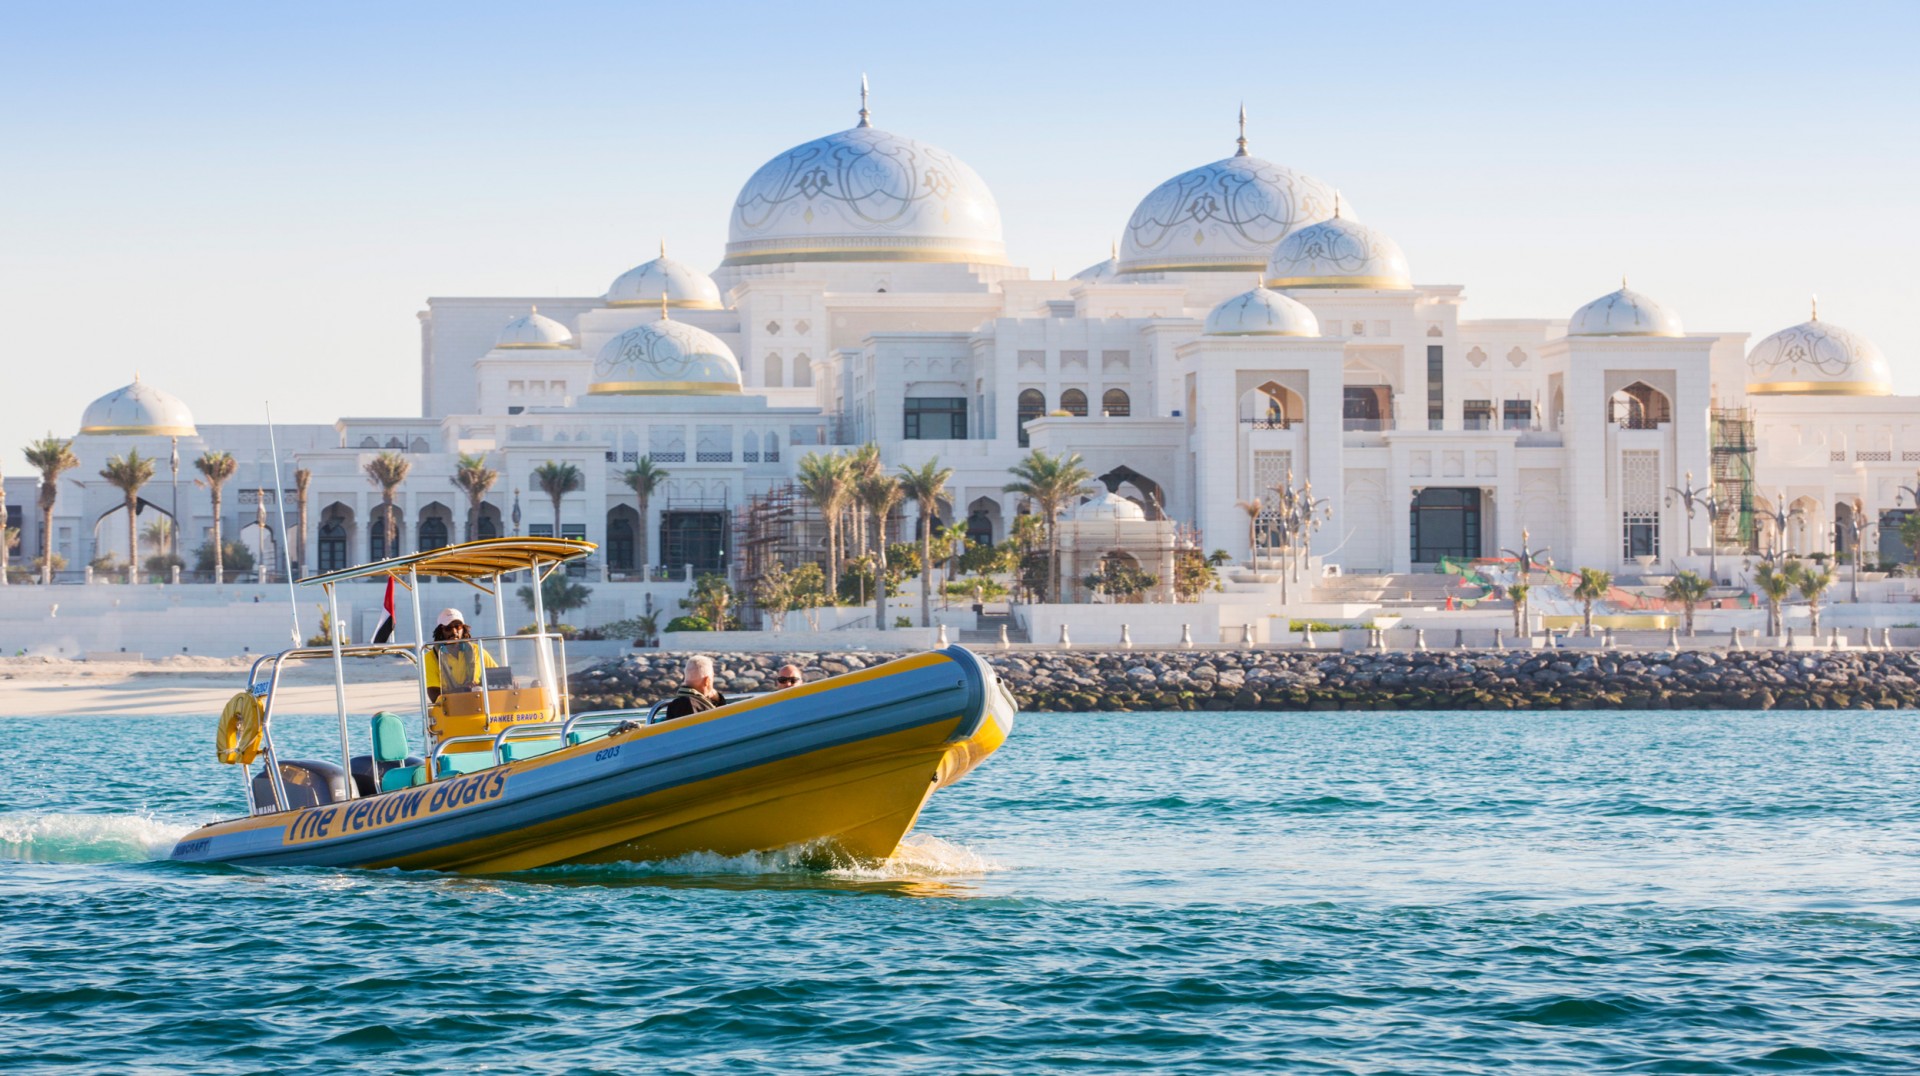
468,562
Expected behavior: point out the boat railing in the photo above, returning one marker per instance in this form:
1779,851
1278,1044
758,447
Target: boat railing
266,692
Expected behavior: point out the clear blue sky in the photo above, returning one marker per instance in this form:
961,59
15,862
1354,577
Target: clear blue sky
250,201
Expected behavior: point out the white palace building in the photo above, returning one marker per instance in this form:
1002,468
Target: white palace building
1249,324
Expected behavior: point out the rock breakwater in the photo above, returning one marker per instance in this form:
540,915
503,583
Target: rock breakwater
1077,680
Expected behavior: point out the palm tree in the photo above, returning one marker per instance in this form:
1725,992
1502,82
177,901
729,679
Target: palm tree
1592,587
864,465
1689,590
645,480
388,470
473,477
127,474
302,483
879,495
1253,509
557,480
1813,583
1518,592
217,467
1051,483
927,488
953,539
1774,584
53,457
826,482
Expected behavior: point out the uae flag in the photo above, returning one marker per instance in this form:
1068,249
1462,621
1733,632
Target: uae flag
385,633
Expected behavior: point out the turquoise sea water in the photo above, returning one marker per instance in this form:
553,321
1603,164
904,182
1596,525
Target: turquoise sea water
1366,893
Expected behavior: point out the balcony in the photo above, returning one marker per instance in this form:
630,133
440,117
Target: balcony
1366,425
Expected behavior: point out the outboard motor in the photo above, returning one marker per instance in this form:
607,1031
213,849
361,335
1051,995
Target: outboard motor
310,783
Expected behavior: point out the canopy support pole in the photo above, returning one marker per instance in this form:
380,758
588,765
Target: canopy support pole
340,692
500,618
420,661
545,643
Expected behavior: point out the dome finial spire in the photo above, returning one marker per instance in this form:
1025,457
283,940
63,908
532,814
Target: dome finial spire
533,308
1336,204
663,305
1623,282
663,246
866,118
1816,308
1242,140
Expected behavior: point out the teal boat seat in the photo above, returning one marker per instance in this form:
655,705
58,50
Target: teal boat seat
402,777
455,763
580,736
390,746
514,750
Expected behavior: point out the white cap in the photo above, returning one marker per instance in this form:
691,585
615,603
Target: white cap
450,616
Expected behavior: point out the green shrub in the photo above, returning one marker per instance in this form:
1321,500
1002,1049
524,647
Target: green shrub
691,622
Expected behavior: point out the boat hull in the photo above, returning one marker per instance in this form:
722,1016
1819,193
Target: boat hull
842,767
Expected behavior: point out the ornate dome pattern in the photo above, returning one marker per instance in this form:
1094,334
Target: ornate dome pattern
1228,215
1338,253
1261,312
682,285
665,358
138,409
1624,313
534,330
865,195
1818,358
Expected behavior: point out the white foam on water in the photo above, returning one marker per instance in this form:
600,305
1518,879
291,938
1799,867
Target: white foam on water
920,856
47,837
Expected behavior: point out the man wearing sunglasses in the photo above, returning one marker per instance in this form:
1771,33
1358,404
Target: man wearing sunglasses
788,676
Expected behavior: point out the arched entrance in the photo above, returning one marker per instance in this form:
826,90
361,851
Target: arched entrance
983,521
1639,406
1271,406
336,532
623,529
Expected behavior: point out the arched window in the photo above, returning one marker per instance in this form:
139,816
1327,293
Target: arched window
750,447
774,371
1272,406
802,371
333,546
377,547
1639,406
1074,402
1032,405
1116,404
433,533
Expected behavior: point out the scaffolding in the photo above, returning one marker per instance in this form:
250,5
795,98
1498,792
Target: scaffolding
780,526
1733,448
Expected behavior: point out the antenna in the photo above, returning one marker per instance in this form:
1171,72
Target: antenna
280,506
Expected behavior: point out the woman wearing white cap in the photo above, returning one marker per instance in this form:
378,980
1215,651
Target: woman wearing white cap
456,662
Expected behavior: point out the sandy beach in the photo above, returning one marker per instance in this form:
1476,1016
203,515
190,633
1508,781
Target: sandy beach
196,687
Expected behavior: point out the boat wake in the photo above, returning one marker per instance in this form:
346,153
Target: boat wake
49,837
920,858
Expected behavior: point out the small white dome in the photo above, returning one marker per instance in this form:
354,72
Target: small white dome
138,409
665,358
534,330
1108,507
1223,216
1100,271
1624,313
865,195
681,284
1817,358
1338,253
1262,312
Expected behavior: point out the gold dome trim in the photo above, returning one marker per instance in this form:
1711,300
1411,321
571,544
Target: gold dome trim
143,431
1383,283
842,254
662,388
1819,388
678,304
533,347
1176,266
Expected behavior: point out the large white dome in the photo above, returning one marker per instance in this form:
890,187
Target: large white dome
1107,507
665,358
1818,358
1224,216
534,330
682,285
1338,253
864,195
138,409
1624,313
1261,312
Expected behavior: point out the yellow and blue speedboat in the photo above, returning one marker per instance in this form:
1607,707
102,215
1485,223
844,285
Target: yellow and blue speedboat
509,779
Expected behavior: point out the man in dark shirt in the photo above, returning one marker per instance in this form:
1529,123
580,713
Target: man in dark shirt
697,694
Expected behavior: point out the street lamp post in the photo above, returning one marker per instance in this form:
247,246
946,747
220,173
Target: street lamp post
1689,494
1854,527
1779,516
